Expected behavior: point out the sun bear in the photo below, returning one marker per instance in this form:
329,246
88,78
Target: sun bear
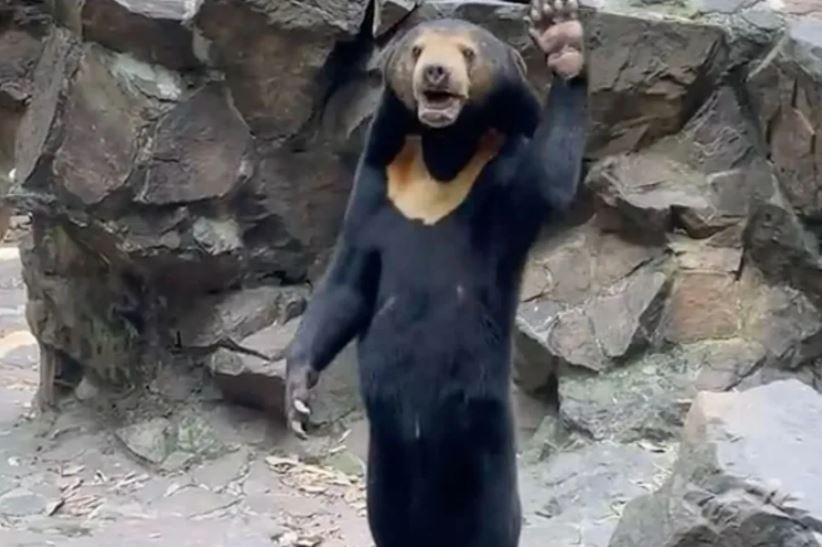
461,169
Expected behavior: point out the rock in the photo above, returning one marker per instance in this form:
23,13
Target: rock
785,322
295,204
573,498
172,443
97,96
59,58
705,255
389,13
346,462
19,51
641,94
731,484
595,335
785,90
644,190
29,15
251,371
152,30
784,250
194,435
726,364
703,305
81,312
716,141
810,374
22,503
102,109
186,165
255,379
227,319
151,440
645,399
562,276
258,42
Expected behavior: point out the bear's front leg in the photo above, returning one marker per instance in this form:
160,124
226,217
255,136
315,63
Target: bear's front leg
551,164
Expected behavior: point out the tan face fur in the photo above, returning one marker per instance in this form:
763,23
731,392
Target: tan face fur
439,68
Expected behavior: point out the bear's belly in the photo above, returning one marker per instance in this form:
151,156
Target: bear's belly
422,353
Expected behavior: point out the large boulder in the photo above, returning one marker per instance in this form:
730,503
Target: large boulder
747,474
572,499
590,300
786,92
152,30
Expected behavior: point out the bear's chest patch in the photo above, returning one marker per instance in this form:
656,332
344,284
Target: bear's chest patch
418,196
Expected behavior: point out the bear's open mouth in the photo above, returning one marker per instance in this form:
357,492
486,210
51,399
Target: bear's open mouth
438,107
438,98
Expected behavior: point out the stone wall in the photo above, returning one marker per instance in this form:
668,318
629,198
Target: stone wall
186,165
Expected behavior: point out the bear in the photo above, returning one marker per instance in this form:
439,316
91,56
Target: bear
461,169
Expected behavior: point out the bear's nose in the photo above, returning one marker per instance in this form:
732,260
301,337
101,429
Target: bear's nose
436,75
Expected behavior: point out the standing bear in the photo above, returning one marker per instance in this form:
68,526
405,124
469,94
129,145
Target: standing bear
461,169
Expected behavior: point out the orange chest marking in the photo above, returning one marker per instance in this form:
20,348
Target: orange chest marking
418,196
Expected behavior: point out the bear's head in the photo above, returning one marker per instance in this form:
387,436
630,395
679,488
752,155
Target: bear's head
441,68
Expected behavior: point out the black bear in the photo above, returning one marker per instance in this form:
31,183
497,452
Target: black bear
460,171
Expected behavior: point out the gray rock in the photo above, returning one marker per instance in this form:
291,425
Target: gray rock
227,319
255,379
151,440
258,42
152,30
703,305
786,92
194,435
747,474
644,190
785,251
389,13
22,503
73,315
786,323
595,335
59,58
726,364
101,108
19,51
575,498
646,399
197,151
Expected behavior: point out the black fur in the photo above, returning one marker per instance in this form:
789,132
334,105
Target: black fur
433,308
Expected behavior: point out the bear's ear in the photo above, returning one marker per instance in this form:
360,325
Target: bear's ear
519,62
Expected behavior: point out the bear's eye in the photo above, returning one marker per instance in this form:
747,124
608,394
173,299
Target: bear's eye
416,51
468,53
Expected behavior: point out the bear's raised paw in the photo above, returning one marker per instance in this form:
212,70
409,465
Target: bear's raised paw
555,28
